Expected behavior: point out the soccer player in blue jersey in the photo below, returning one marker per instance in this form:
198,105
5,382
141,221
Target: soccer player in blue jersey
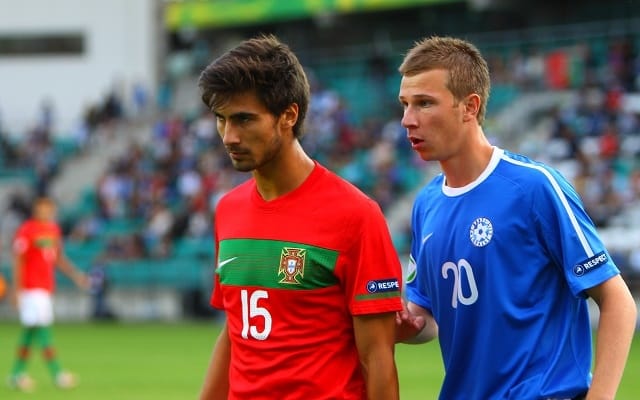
503,255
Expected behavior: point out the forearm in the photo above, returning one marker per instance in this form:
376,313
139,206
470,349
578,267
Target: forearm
614,335
381,376
17,278
216,383
375,340
67,267
70,270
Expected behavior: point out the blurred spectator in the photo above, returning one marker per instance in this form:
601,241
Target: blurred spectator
88,227
173,182
126,247
602,201
164,97
99,289
204,128
17,210
609,143
111,193
9,151
140,100
46,117
157,232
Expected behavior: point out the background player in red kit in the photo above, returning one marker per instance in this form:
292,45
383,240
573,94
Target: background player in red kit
37,250
307,273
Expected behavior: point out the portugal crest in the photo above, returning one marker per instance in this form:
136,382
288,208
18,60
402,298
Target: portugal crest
292,265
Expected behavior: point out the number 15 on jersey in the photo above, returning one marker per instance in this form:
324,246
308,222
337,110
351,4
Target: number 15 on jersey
251,309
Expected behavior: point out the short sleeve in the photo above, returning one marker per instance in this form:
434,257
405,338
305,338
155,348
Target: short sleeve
571,237
372,274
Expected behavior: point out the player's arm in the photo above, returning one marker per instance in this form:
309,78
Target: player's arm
415,324
69,269
216,381
18,262
375,340
615,331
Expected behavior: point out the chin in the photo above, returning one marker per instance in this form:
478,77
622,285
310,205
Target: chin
241,166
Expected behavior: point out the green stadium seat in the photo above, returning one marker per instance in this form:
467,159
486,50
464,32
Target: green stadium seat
196,248
122,226
83,253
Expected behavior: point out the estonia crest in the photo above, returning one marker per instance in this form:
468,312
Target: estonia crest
481,232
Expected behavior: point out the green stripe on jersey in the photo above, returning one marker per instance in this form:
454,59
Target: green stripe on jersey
375,296
275,264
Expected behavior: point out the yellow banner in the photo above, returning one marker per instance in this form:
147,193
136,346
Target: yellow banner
223,13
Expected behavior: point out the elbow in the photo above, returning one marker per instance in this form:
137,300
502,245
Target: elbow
427,334
634,312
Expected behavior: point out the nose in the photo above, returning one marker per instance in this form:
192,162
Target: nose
228,134
408,118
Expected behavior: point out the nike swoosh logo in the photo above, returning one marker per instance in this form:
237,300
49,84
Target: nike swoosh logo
225,262
424,239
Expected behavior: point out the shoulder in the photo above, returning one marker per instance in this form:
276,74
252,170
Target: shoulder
529,176
25,228
429,192
56,229
536,180
337,192
527,169
239,193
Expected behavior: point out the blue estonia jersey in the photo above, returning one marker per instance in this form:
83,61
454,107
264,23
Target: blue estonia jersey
503,263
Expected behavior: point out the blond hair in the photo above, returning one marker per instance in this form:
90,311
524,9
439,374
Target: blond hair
468,71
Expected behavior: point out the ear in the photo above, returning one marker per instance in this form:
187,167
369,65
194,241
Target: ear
289,116
471,107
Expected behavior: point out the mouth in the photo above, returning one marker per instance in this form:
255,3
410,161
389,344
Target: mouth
236,152
237,155
415,141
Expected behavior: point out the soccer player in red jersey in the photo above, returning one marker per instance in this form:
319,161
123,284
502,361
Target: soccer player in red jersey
37,251
306,274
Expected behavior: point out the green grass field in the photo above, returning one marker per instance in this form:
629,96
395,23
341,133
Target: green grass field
167,361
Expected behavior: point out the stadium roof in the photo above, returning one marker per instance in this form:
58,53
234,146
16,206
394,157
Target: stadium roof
228,13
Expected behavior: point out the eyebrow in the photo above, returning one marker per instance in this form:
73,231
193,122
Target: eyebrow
422,96
240,114
417,97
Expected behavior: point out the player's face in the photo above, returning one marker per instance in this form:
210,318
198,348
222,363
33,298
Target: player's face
432,116
249,132
45,211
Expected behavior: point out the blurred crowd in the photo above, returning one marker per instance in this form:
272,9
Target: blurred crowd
172,183
594,137
169,186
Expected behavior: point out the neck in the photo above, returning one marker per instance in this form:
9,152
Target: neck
285,173
470,161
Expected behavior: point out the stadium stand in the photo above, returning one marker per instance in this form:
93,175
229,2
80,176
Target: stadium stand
147,218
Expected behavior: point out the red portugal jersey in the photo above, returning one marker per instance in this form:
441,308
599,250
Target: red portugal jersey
38,243
291,275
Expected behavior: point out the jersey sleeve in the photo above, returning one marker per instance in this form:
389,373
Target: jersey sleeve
415,287
571,237
59,239
21,241
216,295
373,281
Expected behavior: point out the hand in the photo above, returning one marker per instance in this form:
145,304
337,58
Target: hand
14,298
82,281
408,325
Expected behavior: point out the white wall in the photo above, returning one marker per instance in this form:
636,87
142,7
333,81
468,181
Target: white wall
121,45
